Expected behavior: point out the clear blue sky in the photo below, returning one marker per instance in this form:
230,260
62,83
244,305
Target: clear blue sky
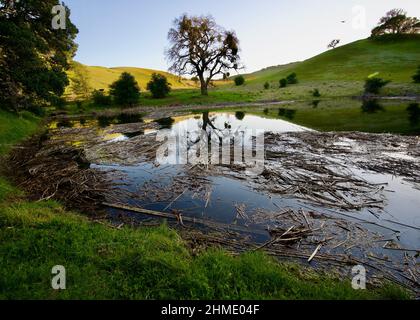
134,32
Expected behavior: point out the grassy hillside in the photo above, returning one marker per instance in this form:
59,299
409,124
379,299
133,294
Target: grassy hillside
394,58
101,77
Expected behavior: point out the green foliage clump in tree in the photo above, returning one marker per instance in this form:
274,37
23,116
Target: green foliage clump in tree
159,86
125,90
34,57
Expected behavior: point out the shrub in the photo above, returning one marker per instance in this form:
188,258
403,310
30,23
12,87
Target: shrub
125,90
239,80
266,86
283,83
416,77
374,85
159,86
292,78
100,98
316,93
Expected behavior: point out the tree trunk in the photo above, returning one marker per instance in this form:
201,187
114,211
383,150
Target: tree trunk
204,91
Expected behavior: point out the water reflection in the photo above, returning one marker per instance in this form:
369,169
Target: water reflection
372,106
287,113
315,103
240,115
165,123
123,118
413,114
65,123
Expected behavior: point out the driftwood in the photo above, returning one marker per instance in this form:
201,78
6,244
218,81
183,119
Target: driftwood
207,223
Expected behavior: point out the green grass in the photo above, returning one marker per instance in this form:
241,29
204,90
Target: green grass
146,263
14,128
394,58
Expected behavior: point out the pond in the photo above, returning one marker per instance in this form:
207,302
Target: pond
384,204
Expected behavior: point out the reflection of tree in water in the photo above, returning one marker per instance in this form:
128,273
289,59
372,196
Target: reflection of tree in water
125,118
287,113
65,123
413,114
122,118
213,133
240,115
315,103
165,123
372,106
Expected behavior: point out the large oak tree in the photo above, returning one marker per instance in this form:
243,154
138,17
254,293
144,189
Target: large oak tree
33,56
201,48
396,22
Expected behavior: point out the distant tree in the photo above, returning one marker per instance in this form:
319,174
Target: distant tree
283,83
416,77
159,86
292,78
316,93
266,85
100,98
226,76
80,81
334,43
396,22
201,47
374,84
34,58
125,90
239,80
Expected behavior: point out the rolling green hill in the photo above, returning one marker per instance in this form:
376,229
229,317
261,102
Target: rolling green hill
394,58
101,77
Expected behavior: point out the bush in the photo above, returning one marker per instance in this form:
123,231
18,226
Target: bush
159,86
100,98
283,83
125,90
266,86
316,93
292,78
416,77
375,84
239,80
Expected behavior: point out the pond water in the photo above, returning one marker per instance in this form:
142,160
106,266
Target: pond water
399,220
402,205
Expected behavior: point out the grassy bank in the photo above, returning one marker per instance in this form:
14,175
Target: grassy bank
147,263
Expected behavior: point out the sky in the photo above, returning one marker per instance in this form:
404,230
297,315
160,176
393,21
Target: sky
271,32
